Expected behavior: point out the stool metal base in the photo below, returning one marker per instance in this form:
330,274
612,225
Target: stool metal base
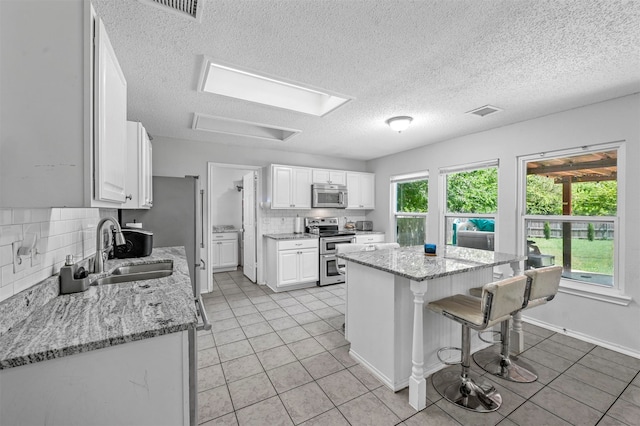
512,368
469,393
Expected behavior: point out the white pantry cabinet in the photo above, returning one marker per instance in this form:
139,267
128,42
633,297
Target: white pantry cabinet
64,107
335,177
145,382
224,251
290,187
139,168
292,264
361,189
369,238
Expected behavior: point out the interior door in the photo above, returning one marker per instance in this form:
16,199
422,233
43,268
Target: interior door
249,225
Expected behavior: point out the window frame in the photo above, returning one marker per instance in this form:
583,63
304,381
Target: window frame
444,214
614,294
404,178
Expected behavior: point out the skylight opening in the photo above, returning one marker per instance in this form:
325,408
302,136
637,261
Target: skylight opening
227,81
230,126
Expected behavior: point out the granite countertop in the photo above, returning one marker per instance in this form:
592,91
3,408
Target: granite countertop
291,236
105,315
365,232
412,263
224,228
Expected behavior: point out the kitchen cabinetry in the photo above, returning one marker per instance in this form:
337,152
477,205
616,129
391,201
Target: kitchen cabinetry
369,238
140,382
292,264
335,177
225,251
63,108
139,168
361,188
290,187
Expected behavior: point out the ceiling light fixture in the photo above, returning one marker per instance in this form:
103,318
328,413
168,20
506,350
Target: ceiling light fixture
399,124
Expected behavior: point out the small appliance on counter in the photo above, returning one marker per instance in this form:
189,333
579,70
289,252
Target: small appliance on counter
364,225
138,243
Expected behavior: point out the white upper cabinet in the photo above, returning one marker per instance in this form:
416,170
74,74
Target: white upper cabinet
139,168
361,189
290,187
63,108
336,177
110,121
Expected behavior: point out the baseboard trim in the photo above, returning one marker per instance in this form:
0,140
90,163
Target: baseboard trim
584,337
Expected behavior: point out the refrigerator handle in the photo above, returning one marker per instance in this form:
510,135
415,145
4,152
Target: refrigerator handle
202,218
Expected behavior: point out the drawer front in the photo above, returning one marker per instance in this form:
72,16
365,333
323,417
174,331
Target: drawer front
297,244
225,236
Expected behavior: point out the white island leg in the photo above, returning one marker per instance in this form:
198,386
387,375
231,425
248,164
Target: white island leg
516,345
417,382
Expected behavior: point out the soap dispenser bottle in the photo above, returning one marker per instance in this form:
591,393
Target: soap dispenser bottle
73,279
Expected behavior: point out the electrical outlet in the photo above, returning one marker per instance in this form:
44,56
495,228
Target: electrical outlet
282,219
265,220
19,262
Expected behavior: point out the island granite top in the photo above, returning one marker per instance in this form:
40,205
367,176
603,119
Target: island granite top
412,263
104,315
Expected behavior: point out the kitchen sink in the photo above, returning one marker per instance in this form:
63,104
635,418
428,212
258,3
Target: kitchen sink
137,276
141,272
145,267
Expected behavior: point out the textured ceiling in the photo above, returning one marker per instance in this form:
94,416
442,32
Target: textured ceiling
433,60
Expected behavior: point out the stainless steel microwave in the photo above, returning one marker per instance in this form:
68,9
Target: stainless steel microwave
329,196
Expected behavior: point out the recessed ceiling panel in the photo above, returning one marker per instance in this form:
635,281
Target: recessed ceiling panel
229,126
249,86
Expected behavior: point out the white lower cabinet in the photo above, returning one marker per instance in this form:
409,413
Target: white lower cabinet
292,264
224,251
145,382
369,238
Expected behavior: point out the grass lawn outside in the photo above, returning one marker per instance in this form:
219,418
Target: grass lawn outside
590,256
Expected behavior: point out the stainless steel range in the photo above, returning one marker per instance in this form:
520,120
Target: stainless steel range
330,237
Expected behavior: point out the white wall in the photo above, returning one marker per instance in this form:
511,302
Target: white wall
174,157
228,207
609,121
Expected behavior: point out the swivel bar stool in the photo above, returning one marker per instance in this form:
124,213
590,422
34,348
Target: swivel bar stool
499,300
542,286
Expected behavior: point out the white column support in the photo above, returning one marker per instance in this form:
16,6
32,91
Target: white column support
417,382
517,334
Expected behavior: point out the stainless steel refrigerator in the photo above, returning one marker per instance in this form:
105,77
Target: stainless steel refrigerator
176,219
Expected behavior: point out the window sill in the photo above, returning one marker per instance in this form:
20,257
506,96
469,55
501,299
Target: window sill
609,295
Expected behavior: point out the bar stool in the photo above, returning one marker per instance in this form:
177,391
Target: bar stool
499,300
542,286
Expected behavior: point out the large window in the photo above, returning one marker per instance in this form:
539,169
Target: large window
410,194
570,213
470,204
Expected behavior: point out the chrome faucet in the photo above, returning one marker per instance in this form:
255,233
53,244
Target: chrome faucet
98,265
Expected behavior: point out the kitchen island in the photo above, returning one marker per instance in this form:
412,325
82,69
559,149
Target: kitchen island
390,334
114,354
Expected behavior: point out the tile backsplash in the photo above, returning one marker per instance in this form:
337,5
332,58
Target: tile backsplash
57,232
275,221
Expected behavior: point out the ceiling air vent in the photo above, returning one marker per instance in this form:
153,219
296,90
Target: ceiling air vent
185,8
484,111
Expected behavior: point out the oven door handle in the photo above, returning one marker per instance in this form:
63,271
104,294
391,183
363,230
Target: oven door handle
328,255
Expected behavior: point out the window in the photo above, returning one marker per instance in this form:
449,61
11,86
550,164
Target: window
470,204
570,213
410,195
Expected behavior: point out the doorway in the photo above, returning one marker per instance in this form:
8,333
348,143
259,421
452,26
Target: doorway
233,194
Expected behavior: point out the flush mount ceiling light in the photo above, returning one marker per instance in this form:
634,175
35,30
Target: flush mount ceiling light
229,81
399,124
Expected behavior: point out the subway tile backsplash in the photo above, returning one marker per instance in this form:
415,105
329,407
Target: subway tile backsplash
57,232
275,221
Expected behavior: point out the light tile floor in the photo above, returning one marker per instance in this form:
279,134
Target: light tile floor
281,359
